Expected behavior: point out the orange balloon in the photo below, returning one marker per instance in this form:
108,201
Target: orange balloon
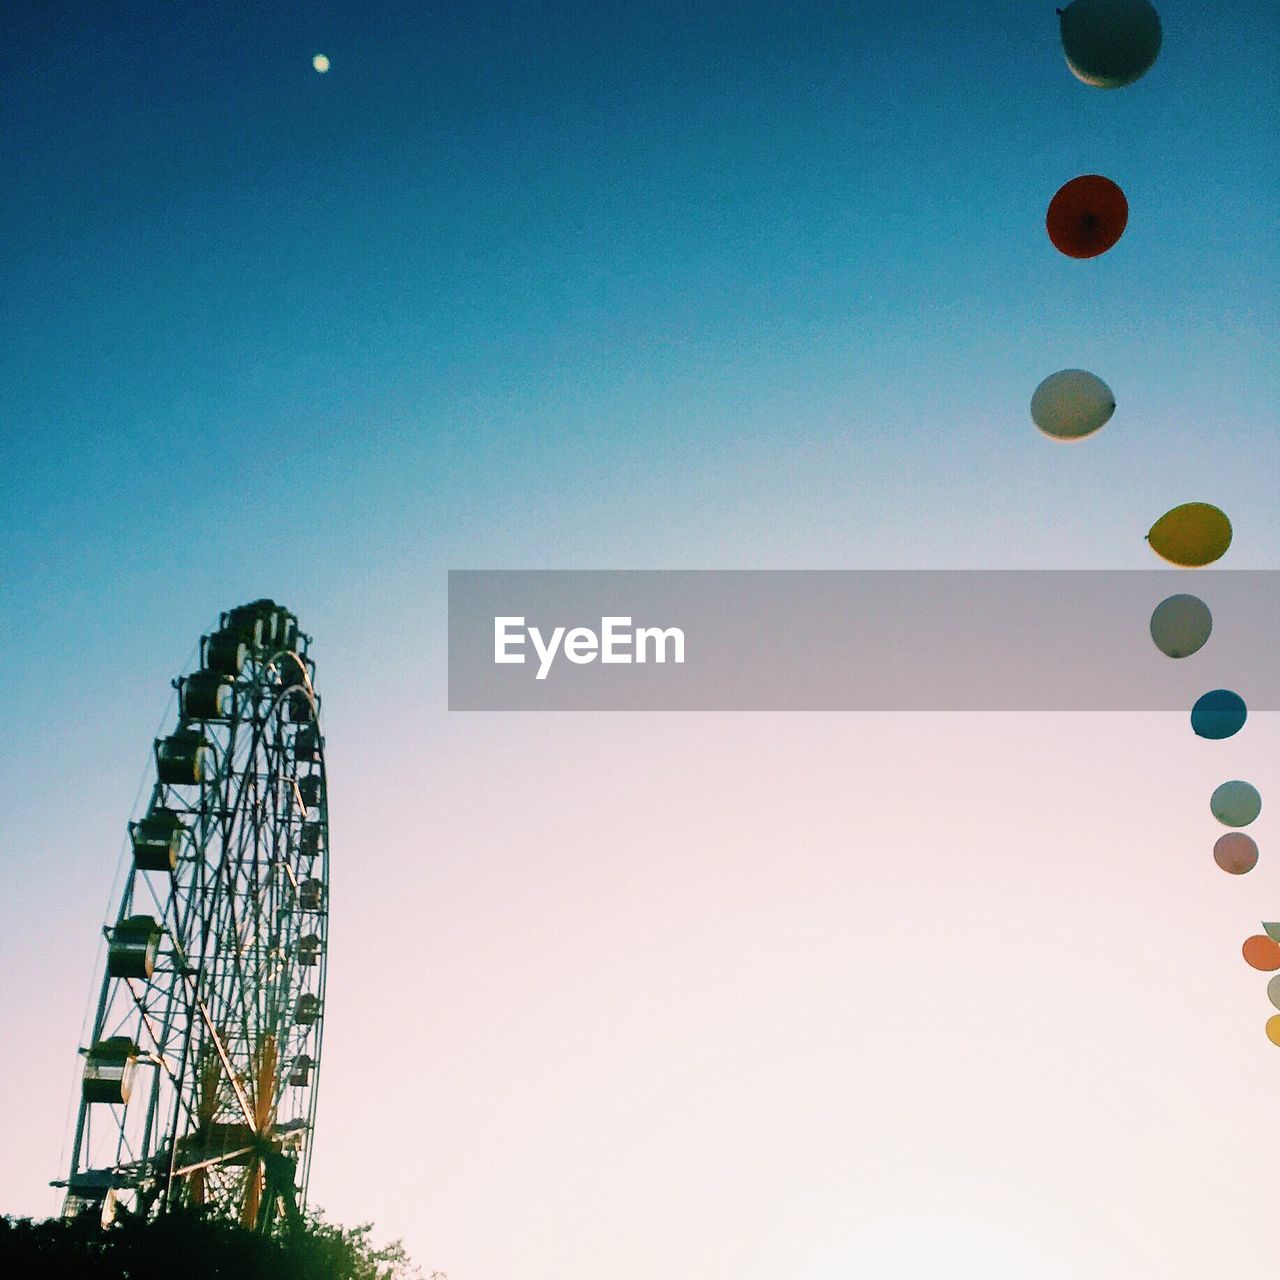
1087,216
1262,952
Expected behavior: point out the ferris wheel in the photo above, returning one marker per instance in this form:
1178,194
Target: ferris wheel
200,1072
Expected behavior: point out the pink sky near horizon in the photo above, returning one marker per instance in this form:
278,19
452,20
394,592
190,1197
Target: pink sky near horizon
747,995
765,993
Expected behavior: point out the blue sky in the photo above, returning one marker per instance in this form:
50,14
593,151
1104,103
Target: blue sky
532,285
554,248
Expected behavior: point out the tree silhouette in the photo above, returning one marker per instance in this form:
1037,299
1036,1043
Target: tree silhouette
195,1246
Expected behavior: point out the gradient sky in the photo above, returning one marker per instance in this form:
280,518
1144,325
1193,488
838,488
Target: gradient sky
713,286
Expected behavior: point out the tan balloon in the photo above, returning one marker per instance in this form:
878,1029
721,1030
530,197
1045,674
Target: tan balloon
1072,404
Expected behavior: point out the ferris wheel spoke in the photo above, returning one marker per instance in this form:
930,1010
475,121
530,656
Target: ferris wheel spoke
213,1162
214,1038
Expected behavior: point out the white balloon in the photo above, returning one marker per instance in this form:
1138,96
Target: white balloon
1110,43
1072,404
1235,803
1180,625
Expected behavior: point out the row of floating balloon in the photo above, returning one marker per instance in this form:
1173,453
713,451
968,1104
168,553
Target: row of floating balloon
1109,44
1180,626
1189,536
1086,217
1262,951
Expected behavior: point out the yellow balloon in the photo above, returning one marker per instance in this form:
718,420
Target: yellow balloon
1273,1028
1191,535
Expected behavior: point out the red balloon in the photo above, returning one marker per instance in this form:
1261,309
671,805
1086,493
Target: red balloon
1087,216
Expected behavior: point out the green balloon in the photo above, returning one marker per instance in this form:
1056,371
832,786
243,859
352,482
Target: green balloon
1235,803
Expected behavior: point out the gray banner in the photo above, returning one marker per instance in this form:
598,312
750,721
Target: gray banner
865,640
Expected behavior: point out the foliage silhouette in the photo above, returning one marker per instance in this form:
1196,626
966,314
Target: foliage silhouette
194,1246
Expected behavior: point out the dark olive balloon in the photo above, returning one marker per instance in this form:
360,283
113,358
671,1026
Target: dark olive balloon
1110,43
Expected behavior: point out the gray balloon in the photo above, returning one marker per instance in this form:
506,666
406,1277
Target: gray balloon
1072,404
1181,625
1273,991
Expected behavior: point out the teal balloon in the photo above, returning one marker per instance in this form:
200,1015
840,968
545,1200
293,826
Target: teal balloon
1235,803
1219,714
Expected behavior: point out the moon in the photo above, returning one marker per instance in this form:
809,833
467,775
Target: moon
321,63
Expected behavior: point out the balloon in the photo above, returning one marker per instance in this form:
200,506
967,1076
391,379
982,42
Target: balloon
1262,952
1273,991
1110,43
1271,929
1235,803
1087,216
1191,535
1273,1027
1180,625
1072,404
1236,853
1219,714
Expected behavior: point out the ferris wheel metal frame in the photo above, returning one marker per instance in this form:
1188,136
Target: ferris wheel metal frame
202,1063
